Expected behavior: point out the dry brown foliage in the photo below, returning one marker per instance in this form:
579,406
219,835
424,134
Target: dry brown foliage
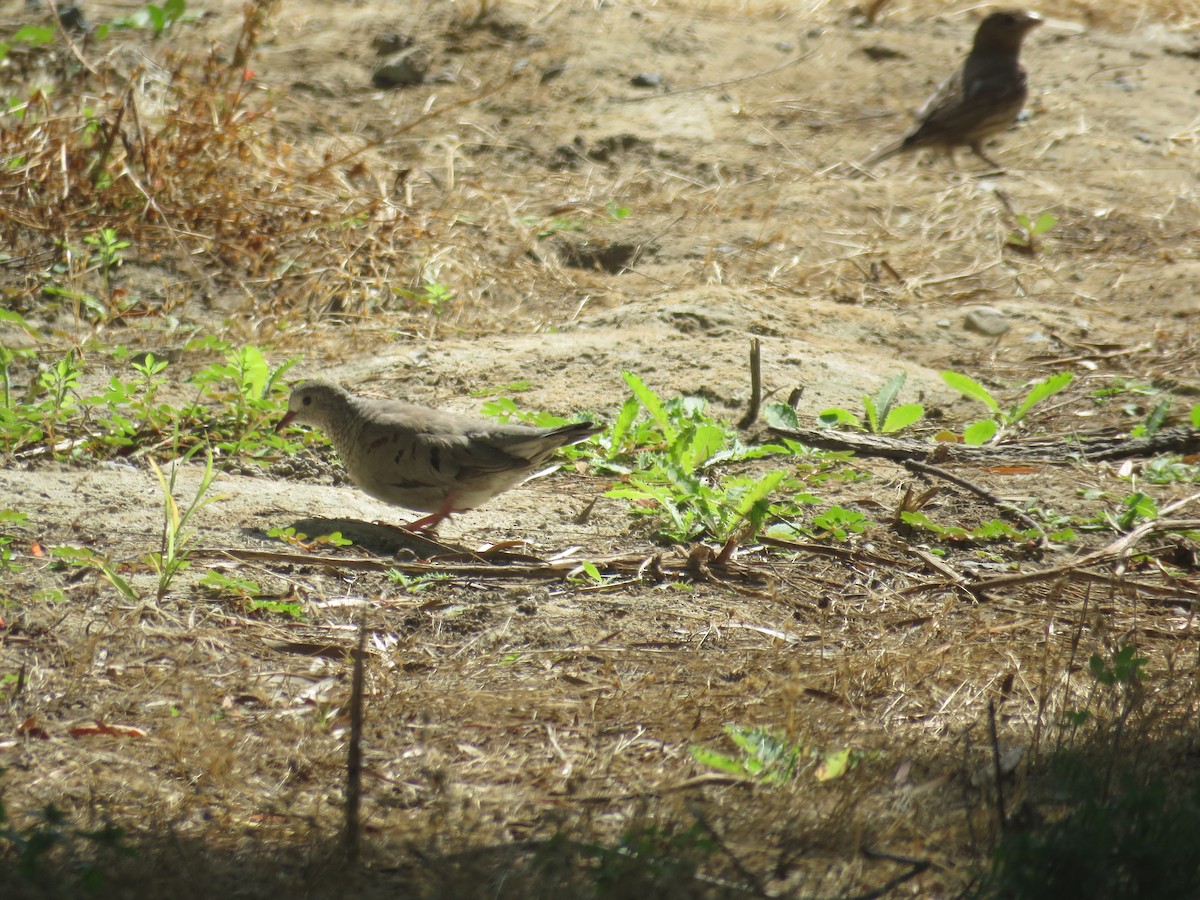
529,733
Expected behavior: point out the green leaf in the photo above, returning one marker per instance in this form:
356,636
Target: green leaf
834,764
970,388
872,415
255,371
698,444
761,490
621,426
1099,670
1195,417
1048,387
920,520
885,399
717,760
980,432
1157,417
902,416
33,35
834,416
12,318
780,415
1044,223
652,404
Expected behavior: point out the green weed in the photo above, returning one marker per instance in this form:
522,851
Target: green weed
1025,237
432,295
670,460
301,541
1002,420
248,594
883,416
414,584
586,573
8,561
108,249
155,18
86,558
220,583
992,530
1131,510
172,556
51,842
243,397
766,756
1170,469
1155,419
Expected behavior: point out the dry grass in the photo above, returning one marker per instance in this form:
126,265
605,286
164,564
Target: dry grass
519,731
182,157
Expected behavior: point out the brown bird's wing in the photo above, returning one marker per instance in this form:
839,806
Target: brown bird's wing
939,103
415,450
536,446
963,113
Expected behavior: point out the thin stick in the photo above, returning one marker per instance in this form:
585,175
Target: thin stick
1113,551
1001,816
755,385
353,834
1006,508
62,30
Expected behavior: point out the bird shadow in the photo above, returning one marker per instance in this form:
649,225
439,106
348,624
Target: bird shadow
374,537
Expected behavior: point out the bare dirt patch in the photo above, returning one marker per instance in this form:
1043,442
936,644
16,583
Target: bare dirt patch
520,726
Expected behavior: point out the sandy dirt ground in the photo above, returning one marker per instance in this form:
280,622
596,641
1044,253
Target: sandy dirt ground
501,711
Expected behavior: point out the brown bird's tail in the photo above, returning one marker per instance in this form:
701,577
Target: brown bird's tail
885,152
576,432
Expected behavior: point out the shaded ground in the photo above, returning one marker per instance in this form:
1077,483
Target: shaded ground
504,710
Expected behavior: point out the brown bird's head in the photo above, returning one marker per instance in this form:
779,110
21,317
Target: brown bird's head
1004,30
314,403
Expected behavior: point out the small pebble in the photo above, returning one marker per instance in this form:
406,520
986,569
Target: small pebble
986,320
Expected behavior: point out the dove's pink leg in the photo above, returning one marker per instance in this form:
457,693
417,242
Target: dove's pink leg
433,520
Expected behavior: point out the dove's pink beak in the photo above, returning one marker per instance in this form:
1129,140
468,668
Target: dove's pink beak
285,421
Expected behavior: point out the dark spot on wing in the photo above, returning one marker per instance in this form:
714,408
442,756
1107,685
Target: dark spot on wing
435,458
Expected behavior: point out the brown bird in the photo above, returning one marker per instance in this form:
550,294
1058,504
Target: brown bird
981,99
426,459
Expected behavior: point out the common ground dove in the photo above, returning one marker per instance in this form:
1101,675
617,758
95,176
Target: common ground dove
982,98
426,459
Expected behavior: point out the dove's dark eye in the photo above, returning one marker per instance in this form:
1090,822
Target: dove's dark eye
307,401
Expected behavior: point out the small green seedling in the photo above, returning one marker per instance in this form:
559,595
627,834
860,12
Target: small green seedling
768,757
432,294
883,416
301,541
7,560
1024,238
1002,421
1155,420
172,557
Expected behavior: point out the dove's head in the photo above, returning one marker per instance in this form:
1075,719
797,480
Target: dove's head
314,403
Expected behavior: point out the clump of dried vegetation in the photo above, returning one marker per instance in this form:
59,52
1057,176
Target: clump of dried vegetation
179,156
893,711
